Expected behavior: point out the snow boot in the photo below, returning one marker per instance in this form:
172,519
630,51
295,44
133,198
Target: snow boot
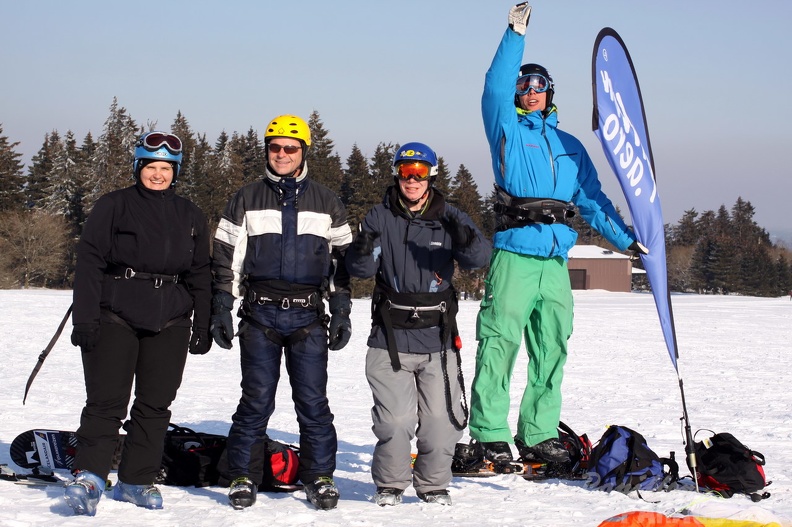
147,496
440,497
388,496
82,493
548,451
497,451
242,493
322,493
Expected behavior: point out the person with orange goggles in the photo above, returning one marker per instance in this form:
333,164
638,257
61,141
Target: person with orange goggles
410,243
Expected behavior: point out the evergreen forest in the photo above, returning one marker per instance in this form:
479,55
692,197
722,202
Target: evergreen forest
43,206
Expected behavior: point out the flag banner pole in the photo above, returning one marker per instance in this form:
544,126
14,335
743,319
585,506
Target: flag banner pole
619,122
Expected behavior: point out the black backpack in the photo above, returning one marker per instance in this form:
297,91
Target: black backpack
190,458
728,467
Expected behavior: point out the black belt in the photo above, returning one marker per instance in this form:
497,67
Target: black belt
518,212
119,272
286,297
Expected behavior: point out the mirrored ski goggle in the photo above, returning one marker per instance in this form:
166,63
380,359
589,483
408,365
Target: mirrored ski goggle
534,81
156,140
289,149
417,170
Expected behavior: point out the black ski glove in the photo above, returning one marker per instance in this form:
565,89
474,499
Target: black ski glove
340,325
86,336
461,234
637,248
222,324
364,242
200,342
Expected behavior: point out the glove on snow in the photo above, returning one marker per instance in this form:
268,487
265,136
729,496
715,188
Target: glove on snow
86,336
340,325
518,17
222,324
200,342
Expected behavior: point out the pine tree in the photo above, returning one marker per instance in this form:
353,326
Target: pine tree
685,233
114,155
11,179
40,170
324,166
443,180
381,169
358,191
181,129
465,195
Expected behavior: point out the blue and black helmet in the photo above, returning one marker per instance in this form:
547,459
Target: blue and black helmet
416,152
158,146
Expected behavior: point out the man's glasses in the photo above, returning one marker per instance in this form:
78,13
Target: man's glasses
155,140
534,81
289,149
417,170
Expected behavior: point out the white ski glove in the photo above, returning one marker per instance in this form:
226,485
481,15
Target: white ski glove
637,249
518,17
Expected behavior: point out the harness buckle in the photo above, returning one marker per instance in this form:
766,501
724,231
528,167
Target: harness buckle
285,304
157,282
129,273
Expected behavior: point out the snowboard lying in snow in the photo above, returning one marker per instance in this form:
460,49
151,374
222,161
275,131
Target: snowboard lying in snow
527,470
53,449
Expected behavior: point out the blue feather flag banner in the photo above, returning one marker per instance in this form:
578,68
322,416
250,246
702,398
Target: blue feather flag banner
619,121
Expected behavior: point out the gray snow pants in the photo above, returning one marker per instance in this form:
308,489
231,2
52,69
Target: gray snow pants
412,403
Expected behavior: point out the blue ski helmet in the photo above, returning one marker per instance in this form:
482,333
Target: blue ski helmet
158,146
528,69
416,152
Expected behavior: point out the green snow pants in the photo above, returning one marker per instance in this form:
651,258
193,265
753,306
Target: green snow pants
525,296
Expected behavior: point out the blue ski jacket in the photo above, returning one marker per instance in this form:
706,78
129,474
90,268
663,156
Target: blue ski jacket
532,158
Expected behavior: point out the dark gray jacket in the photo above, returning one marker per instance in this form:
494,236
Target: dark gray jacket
413,254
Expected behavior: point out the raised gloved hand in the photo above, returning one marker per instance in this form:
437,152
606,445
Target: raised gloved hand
86,336
340,325
461,234
518,17
221,326
200,342
364,242
637,248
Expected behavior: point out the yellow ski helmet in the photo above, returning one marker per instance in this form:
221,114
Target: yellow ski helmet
288,126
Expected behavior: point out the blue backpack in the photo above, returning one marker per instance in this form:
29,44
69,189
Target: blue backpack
622,461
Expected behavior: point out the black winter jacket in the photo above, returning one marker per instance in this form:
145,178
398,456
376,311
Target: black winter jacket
414,254
149,231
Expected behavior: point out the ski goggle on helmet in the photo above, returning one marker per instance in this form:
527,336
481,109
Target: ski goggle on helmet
158,146
417,170
533,81
414,160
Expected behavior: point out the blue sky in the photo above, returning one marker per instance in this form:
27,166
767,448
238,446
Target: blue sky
715,78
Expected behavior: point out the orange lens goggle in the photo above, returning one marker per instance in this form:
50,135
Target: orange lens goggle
417,170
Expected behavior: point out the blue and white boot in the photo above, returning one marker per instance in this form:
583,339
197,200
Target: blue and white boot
82,493
147,496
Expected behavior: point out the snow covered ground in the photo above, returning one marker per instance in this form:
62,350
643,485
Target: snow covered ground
736,363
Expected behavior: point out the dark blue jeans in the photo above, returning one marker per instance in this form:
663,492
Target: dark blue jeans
306,365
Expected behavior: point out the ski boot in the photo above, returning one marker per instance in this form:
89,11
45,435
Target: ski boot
147,496
242,493
440,497
548,451
322,493
82,494
499,454
388,496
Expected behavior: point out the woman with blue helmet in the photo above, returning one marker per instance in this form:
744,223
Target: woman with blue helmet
142,295
410,243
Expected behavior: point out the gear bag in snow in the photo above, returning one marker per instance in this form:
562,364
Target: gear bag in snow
728,467
622,461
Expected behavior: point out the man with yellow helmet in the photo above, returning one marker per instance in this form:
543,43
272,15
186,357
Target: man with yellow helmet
280,247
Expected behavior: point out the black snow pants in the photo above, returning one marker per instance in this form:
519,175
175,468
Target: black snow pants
154,363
